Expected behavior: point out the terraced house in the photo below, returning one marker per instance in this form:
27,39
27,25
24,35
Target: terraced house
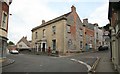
114,18
62,34
88,36
4,14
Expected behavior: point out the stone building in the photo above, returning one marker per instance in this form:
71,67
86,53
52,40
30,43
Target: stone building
62,34
114,18
4,14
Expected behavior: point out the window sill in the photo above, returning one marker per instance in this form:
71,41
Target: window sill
4,29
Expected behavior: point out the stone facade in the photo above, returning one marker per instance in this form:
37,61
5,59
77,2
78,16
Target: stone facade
4,14
62,34
114,18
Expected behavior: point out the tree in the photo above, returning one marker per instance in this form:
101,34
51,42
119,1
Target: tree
107,27
10,43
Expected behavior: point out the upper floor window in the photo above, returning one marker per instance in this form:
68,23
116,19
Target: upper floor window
68,28
20,45
97,35
43,33
36,35
54,29
80,32
4,20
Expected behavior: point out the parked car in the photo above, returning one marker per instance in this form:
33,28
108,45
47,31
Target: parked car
102,48
14,52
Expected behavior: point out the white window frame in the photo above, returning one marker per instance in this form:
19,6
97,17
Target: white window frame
68,28
5,22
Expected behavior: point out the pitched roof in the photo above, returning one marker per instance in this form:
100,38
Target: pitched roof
52,21
24,39
90,26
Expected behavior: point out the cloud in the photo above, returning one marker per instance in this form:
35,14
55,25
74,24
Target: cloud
27,14
100,15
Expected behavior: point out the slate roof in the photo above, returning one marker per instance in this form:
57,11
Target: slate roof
52,21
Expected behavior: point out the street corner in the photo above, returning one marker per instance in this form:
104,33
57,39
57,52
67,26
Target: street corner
93,67
7,62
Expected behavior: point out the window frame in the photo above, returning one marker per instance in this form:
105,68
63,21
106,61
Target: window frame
44,33
36,35
54,29
68,28
4,20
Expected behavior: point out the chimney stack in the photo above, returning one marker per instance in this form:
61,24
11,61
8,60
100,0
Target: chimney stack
95,24
73,8
10,1
85,21
43,21
26,37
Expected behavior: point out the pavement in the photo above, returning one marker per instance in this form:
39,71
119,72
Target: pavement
105,64
6,62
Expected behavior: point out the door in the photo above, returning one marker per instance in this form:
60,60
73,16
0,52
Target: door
54,44
43,49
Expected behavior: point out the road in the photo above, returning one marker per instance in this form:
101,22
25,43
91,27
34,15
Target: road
40,63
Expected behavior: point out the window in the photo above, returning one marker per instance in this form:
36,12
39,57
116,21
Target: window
97,35
68,28
4,21
20,45
54,29
80,44
54,44
80,32
43,33
36,35
69,42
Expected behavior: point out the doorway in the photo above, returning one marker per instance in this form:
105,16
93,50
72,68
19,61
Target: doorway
43,49
54,44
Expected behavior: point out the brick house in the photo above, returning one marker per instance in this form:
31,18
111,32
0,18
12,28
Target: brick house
62,34
88,35
4,14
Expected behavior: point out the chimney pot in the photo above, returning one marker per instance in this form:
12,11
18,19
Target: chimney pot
85,21
43,21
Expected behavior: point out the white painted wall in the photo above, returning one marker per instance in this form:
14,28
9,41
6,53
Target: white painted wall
23,45
100,35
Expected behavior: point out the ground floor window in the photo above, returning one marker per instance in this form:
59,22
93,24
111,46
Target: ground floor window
81,44
3,45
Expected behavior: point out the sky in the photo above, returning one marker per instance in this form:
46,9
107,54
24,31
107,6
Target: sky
27,14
